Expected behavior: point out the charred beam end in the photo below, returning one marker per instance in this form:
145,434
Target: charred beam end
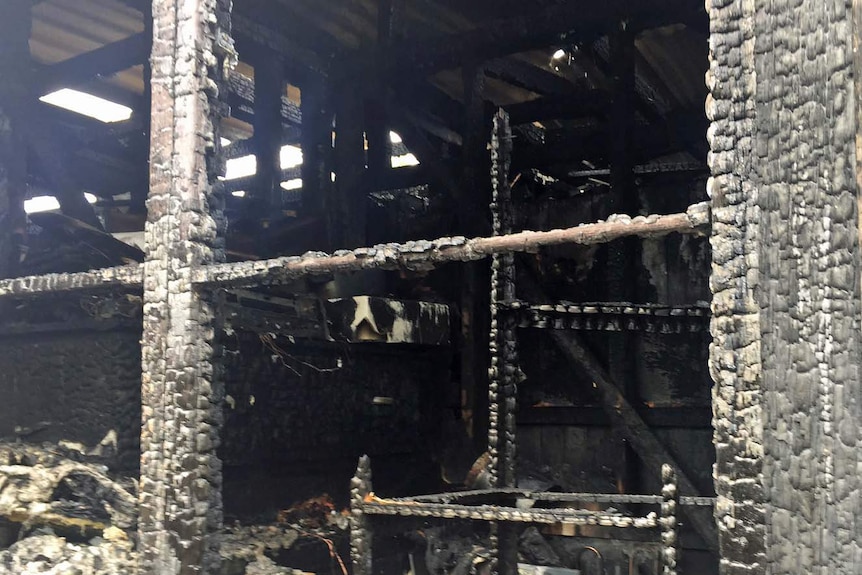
427,254
410,255
125,276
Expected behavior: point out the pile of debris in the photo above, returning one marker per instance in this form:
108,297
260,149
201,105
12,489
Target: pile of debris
63,512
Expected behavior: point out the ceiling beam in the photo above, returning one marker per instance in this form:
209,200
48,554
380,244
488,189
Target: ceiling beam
583,104
96,64
556,25
525,75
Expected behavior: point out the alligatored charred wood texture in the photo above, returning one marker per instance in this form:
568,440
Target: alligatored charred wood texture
785,281
180,485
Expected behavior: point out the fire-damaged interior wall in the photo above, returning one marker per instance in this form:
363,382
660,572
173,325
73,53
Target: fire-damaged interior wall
74,386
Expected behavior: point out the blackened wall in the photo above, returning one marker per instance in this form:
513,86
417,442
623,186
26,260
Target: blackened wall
75,386
301,417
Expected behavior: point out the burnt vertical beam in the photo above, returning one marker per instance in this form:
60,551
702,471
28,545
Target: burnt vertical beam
623,254
348,210
14,58
360,524
668,520
141,187
503,372
377,121
472,217
787,399
269,86
180,482
316,148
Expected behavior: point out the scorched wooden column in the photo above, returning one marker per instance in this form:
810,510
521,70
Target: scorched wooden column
180,486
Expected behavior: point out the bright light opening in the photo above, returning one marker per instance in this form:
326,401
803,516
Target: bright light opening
394,138
290,157
293,184
559,54
238,194
88,105
404,161
41,204
225,142
241,167
91,198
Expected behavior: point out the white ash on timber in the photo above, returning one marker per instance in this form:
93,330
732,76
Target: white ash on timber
63,487
48,554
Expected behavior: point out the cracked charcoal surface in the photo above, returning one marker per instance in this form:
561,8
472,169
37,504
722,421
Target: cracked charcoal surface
786,299
180,487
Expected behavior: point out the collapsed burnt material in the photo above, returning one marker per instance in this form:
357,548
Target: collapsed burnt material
66,487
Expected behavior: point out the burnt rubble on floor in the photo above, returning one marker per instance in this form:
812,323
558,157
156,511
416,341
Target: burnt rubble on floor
63,511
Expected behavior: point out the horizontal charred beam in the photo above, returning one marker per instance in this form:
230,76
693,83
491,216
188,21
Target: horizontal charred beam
527,76
127,276
562,107
592,143
594,416
563,515
99,63
412,255
427,254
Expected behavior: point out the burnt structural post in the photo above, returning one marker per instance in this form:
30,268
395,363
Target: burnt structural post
180,483
14,61
785,354
622,254
269,87
348,210
316,148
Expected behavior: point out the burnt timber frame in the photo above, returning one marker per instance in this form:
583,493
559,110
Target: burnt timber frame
185,224
191,52
495,505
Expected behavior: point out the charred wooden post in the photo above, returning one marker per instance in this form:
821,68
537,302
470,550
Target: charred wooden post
473,218
504,355
668,520
360,526
503,374
142,185
389,17
347,212
316,148
268,91
785,281
180,483
14,58
623,254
